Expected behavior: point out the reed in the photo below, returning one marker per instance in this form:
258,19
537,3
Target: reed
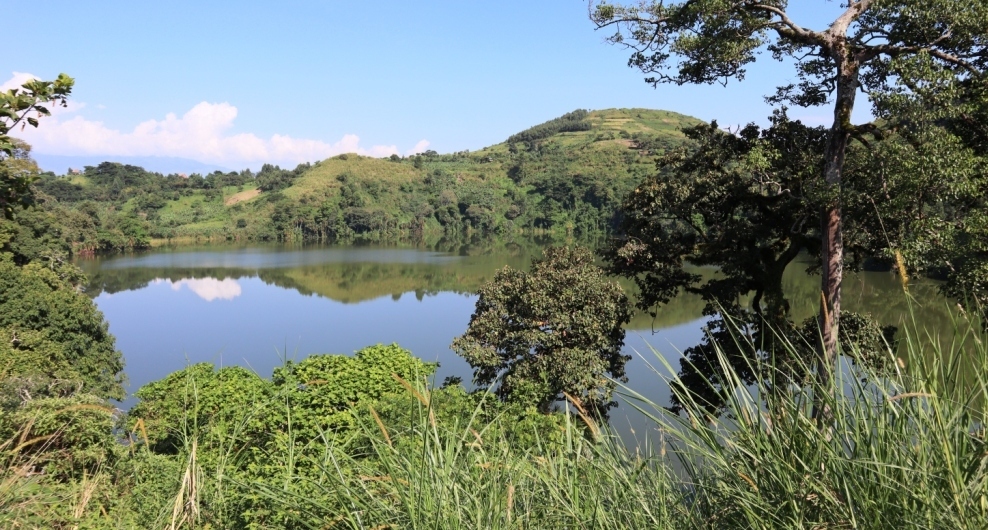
903,448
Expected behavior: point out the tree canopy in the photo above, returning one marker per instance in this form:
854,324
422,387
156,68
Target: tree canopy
556,329
930,174
875,47
746,203
743,202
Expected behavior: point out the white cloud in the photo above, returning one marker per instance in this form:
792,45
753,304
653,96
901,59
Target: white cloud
18,79
208,289
202,133
419,148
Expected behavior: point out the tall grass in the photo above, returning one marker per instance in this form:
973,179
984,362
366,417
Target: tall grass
464,476
904,447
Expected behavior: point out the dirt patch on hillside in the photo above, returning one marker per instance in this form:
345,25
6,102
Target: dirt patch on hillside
242,196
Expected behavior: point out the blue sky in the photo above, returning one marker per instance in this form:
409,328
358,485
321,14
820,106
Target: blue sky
240,83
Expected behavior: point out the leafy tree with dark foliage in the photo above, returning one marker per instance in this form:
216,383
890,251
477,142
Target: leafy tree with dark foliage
875,47
742,202
556,329
53,339
748,204
930,175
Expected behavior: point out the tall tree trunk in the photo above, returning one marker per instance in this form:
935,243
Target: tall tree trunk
832,240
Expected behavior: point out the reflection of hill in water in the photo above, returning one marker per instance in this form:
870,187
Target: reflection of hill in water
465,268
358,282
879,294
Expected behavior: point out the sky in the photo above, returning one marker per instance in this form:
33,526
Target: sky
238,84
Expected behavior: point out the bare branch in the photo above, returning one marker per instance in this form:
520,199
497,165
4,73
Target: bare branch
954,60
854,10
787,27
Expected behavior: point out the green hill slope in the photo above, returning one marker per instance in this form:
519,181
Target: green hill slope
566,175
560,180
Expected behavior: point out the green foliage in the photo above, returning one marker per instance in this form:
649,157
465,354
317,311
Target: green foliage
36,234
570,122
747,204
556,329
445,458
16,108
323,388
463,472
273,178
744,203
63,437
53,340
257,431
320,391
520,425
931,171
765,465
924,45
711,40
199,398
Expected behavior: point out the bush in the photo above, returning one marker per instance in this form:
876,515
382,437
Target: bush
555,330
63,438
54,335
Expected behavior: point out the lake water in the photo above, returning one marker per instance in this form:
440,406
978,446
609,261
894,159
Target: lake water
255,306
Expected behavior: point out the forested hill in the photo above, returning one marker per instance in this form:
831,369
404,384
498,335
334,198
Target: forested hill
567,175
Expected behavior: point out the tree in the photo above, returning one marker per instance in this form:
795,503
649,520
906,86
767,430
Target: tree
53,339
556,329
872,46
748,204
742,202
16,108
933,167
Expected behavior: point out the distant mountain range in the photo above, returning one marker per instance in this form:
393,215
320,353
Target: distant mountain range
60,164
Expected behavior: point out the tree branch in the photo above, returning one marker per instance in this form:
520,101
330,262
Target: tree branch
854,10
787,27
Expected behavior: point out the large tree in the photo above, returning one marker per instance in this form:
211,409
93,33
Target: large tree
746,202
930,174
872,47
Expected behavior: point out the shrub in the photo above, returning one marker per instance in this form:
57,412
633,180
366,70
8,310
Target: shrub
555,330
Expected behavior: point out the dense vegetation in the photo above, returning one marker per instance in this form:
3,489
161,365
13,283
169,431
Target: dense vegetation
567,175
775,424
921,63
340,440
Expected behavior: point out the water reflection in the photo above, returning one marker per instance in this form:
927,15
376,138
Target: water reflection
208,289
254,258
292,302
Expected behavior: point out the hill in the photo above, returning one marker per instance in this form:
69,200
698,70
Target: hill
566,175
158,164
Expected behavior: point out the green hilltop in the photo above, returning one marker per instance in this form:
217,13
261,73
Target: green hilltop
566,175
